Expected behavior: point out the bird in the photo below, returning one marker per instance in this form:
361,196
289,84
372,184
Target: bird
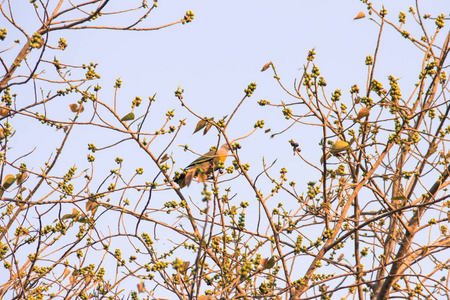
202,167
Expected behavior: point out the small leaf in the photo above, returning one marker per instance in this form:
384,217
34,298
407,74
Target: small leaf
327,156
263,262
2,133
164,158
73,215
3,111
8,181
267,130
87,279
82,220
72,279
66,272
128,117
363,112
399,197
207,128
141,287
21,177
360,15
268,263
266,66
185,266
200,125
73,107
66,216
91,206
339,146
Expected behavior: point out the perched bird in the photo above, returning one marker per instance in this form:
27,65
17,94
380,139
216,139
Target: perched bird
202,167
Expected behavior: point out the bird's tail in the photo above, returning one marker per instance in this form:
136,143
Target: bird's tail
185,178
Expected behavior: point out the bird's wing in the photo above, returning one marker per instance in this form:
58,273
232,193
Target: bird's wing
203,160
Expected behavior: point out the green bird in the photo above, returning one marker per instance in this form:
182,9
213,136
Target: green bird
203,166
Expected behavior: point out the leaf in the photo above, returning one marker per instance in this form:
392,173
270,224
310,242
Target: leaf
3,111
339,146
186,264
141,287
73,108
72,279
363,112
8,181
184,268
263,262
267,130
266,66
91,206
268,263
87,279
164,158
207,128
128,117
66,216
399,197
360,15
82,220
73,215
21,177
2,133
66,272
200,125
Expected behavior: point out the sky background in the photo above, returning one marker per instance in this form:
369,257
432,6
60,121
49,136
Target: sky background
213,59
216,56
